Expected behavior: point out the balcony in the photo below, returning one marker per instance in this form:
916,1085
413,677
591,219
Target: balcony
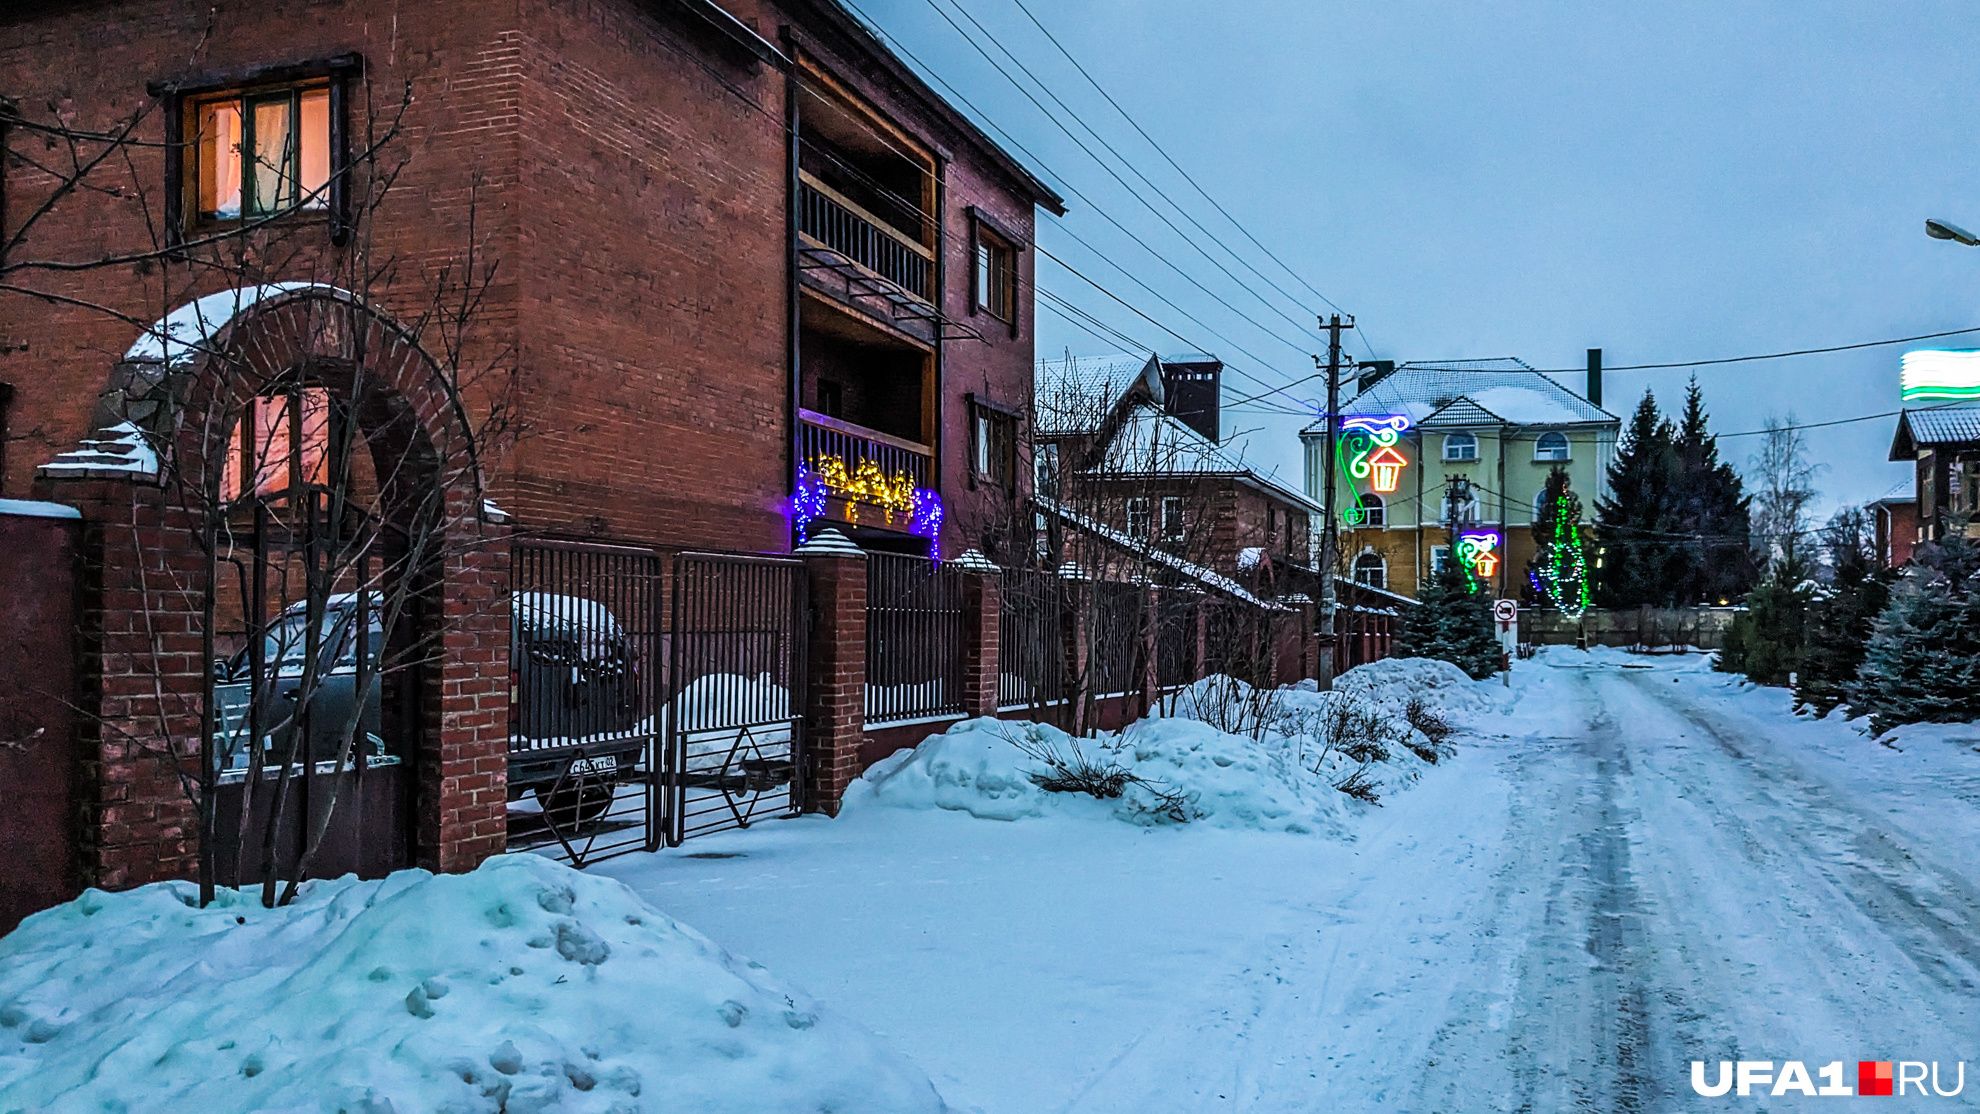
872,476
832,220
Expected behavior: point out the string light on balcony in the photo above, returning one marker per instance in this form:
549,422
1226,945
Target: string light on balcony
898,499
926,521
808,504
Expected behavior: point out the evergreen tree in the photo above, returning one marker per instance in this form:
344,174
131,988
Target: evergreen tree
1634,520
1922,664
1709,502
1842,614
1558,572
1769,639
1452,622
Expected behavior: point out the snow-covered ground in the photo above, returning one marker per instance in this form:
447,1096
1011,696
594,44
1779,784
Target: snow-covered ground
1628,864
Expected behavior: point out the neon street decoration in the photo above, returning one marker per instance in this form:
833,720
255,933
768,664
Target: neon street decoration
1940,373
1367,453
1478,555
899,500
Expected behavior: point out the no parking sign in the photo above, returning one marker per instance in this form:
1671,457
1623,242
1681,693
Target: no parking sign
1506,614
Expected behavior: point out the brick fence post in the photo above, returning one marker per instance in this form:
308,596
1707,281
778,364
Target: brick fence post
1151,646
983,607
462,798
835,691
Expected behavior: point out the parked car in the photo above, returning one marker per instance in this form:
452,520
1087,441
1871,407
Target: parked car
579,712
285,650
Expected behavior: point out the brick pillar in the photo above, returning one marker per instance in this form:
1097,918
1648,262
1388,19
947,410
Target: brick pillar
1309,638
983,612
143,680
835,692
1199,666
461,818
1151,642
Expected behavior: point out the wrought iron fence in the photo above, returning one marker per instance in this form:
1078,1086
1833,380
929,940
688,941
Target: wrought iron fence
735,721
914,638
1031,646
1116,653
825,219
585,674
1175,637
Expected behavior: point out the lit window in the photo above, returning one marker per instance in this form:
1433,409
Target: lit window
260,152
1460,446
1551,446
278,442
996,276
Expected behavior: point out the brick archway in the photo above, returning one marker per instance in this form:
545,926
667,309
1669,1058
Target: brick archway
144,482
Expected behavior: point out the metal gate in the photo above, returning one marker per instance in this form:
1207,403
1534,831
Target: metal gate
735,749
586,665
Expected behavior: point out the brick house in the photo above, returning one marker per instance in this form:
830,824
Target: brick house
1943,445
726,260
1497,424
1132,443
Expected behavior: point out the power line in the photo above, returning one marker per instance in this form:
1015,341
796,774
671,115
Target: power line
1124,161
1770,355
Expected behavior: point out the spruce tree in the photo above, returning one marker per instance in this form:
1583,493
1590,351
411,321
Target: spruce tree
1634,520
1708,502
1558,571
1922,664
1772,635
1843,613
1452,622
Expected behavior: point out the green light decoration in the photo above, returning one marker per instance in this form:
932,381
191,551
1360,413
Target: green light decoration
1940,373
1561,577
1366,452
1478,556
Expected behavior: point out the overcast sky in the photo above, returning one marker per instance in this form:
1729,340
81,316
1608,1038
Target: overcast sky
1665,181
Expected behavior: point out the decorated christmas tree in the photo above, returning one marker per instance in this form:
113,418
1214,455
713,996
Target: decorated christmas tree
1558,571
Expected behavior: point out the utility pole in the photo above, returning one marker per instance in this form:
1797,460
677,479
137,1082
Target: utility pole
1330,527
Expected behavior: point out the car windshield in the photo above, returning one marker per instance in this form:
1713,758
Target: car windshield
286,644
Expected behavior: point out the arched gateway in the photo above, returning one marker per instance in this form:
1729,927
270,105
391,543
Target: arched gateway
295,620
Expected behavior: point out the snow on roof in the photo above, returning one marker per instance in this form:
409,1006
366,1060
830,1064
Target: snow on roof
1209,578
29,508
1505,390
1154,442
1075,393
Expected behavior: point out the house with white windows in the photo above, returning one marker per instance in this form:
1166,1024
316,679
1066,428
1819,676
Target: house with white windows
1476,440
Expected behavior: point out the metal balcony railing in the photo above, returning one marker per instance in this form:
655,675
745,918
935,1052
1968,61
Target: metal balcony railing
838,449
837,223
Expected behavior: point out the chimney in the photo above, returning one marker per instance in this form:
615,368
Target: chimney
1595,376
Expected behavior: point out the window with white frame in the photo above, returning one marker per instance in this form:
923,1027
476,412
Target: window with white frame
1137,518
1374,512
1371,569
1539,504
1440,555
1552,445
1460,446
1172,519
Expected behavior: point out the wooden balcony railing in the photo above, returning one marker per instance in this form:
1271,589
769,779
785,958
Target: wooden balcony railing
838,223
852,458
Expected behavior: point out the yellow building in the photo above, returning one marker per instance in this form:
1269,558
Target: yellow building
1477,439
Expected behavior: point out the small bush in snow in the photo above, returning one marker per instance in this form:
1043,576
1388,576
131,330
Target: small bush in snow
1435,727
1070,769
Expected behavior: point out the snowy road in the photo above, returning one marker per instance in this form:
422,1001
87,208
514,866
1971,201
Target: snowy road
1634,866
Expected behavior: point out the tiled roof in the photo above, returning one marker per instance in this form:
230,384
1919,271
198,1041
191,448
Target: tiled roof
1941,425
1505,390
1460,412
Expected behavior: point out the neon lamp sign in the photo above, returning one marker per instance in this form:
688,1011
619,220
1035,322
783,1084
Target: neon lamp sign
1479,555
1940,373
1367,451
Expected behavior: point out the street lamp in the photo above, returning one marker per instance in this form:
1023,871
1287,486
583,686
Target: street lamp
1940,230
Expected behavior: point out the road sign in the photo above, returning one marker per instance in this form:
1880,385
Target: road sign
1505,611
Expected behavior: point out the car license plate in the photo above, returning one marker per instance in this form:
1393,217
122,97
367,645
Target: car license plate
601,765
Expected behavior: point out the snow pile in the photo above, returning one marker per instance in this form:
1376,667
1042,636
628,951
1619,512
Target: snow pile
524,986
1179,769
1389,684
